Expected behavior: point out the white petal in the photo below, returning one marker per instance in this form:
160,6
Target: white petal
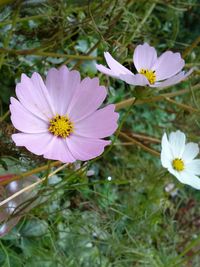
177,142
106,71
190,152
166,153
173,80
193,166
115,66
168,65
137,79
144,57
191,179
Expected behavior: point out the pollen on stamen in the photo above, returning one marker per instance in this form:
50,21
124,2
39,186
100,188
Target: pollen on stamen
178,164
149,74
61,126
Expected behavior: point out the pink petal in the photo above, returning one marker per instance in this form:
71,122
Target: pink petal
144,57
62,85
100,124
84,148
115,66
173,80
137,79
87,99
34,96
36,143
106,71
58,150
24,120
167,65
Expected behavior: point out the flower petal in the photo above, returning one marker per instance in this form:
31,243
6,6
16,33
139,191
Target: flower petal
190,152
137,79
87,99
115,66
36,143
144,57
106,71
58,150
83,148
166,152
167,65
25,121
193,166
191,179
177,142
173,80
34,96
62,85
186,177
100,124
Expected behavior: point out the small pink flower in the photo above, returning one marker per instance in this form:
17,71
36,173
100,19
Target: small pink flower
153,71
60,119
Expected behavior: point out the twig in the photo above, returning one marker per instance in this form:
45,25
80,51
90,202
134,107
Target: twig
146,148
31,172
31,186
183,106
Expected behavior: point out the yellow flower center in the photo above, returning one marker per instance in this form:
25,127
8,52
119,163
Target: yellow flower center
61,126
149,74
178,164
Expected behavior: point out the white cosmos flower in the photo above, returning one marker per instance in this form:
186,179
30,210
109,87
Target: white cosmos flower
153,71
179,158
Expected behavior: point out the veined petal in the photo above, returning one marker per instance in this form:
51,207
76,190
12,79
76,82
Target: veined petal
137,79
34,96
144,57
83,148
107,123
89,96
167,65
177,142
115,66
173,80
190,152
193,166
62,85
58,150
36,143
24,120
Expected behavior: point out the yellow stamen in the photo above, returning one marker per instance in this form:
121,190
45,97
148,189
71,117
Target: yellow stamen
149,74
61,126
178,164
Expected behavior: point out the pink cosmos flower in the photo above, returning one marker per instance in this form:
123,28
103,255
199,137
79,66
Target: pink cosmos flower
153,71
60,119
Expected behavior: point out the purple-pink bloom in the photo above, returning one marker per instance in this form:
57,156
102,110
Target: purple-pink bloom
59,118
154,71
